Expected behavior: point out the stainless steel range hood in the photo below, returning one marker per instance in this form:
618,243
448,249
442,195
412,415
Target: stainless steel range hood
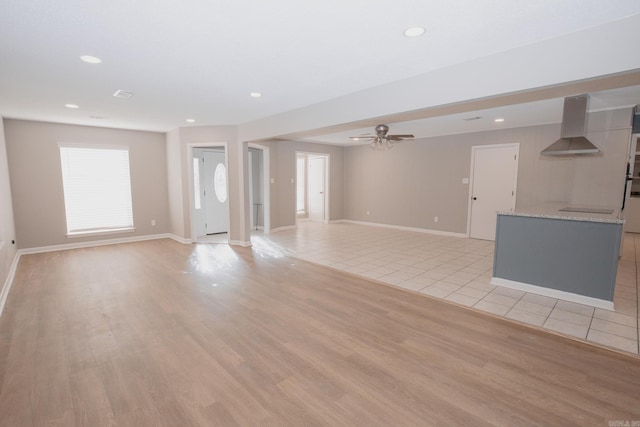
572,140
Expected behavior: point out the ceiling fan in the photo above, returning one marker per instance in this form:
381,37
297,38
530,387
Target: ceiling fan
381,141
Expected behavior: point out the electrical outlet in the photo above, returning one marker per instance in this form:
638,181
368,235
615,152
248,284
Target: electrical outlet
435,219
153,222
368,212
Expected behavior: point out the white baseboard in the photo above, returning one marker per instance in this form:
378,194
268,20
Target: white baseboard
244,244
4,293
179,239
553,293
401,227
92,243
283,228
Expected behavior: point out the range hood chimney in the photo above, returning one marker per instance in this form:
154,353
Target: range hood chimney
572,140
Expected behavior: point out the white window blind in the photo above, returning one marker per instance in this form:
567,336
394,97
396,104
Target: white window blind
97,189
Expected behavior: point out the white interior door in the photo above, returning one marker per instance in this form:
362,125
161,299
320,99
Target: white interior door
216,192
495,175
316,187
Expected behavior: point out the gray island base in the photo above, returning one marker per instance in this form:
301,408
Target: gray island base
557,255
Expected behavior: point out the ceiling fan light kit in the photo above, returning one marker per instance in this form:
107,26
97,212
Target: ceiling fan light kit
381,144
381,141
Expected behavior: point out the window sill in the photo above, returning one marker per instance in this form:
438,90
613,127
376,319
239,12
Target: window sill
100,232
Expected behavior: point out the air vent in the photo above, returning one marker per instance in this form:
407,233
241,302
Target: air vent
470,119
123,94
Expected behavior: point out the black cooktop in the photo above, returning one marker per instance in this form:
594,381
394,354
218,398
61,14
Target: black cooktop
586,210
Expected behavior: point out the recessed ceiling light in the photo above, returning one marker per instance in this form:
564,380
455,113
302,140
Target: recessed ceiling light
355,138
255,94
499,120
71,106
191,120
90,59
414,31
120,93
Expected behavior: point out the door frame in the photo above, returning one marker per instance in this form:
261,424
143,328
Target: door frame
266,185
471,177
190,148
327,190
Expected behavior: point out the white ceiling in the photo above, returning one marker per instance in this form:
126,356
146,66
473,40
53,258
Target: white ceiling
200,59
520,115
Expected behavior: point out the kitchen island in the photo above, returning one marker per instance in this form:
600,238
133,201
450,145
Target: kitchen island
570,255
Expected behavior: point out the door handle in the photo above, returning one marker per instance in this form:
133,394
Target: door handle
475,198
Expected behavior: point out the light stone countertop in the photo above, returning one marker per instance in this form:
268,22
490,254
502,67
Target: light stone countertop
552,211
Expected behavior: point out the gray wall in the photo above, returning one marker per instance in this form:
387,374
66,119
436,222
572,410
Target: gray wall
283,170
177,142
174,184
406,186
421,179
36,179
7,228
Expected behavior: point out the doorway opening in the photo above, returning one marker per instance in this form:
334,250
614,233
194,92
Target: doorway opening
494,178
312,187
210,193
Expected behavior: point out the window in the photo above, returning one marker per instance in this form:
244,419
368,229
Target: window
220,182
97,189
196,182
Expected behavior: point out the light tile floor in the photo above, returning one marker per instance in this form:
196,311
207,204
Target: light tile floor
459,270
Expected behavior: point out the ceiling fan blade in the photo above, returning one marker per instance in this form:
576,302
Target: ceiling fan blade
399,137
361,137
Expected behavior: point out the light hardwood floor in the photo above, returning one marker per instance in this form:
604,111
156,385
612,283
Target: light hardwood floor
158,333
460,270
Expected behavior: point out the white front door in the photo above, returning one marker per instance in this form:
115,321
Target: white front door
493,189
316,189
216,192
